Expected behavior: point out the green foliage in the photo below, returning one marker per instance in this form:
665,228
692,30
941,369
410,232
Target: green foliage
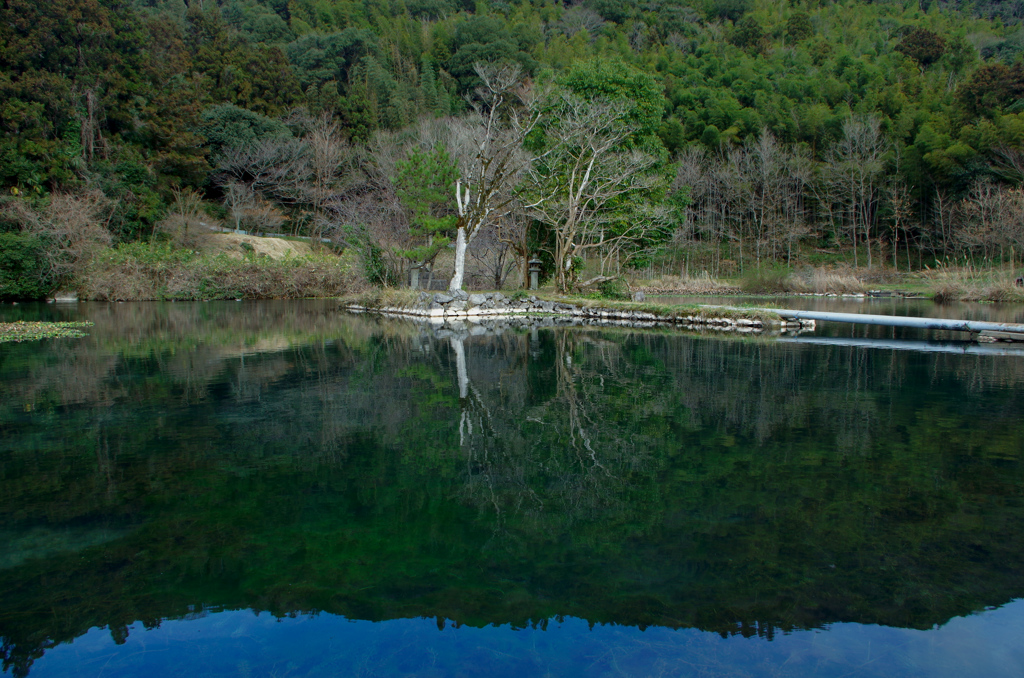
616,80
24,272
923,46
616,288
991,87
136,98
227,126
426,184
799,27
749,35
730,10
485,39
158,271
613,10
376,268
318,58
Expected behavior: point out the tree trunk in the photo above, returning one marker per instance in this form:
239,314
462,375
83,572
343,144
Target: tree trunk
460,261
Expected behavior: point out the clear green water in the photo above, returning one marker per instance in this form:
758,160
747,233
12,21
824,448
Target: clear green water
278,489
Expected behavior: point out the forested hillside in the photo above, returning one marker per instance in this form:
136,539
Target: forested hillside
768,125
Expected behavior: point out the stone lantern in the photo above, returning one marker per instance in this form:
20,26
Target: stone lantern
534,273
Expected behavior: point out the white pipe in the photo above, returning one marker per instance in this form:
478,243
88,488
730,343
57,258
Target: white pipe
891,320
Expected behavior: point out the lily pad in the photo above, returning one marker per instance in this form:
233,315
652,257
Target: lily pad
31,331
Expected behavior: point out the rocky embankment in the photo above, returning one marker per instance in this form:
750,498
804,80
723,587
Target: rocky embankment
441,307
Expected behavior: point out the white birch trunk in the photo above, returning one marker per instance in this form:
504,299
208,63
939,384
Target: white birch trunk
460,261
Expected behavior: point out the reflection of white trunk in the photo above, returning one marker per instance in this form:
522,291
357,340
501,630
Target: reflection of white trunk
460,366
460,260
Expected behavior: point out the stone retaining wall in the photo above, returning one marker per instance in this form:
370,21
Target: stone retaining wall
465,306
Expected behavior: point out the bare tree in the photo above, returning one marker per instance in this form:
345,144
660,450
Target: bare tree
855,165
761,184
492,157
1008,162
494,251
897,196
992,219
183,223
706,214
580,18
272,168
73,226
582,174
249,211
312,174
327,149
514,230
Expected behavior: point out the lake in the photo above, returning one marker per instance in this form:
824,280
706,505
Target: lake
284,489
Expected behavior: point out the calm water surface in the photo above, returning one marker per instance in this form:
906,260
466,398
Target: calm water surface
926,308
279,489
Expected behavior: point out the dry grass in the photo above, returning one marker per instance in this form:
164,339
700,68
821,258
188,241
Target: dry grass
239,246
687,285
140,272
833,281
966,283
766,280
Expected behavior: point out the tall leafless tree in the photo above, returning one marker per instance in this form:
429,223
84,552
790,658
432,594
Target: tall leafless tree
855,166
491,155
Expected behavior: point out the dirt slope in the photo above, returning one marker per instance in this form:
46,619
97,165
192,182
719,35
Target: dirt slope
275,248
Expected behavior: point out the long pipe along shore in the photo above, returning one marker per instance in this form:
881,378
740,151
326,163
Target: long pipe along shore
1007,331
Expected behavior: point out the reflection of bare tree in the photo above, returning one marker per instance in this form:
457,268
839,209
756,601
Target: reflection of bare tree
553,462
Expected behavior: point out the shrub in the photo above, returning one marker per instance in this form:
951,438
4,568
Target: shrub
947,291
183,224
616,288
24,273
767,280
824,281
72,230
141,271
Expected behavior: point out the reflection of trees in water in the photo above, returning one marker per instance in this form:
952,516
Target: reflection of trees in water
626,476
551,461
560,423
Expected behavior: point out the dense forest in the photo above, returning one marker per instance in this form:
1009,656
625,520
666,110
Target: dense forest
738,131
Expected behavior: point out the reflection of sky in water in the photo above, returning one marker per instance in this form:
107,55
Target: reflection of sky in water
238,643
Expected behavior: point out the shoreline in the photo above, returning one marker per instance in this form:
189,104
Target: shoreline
440,308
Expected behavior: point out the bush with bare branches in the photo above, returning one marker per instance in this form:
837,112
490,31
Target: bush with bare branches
73,228
185,223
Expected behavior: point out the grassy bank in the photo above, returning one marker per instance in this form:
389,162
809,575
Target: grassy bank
145,271
942,283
